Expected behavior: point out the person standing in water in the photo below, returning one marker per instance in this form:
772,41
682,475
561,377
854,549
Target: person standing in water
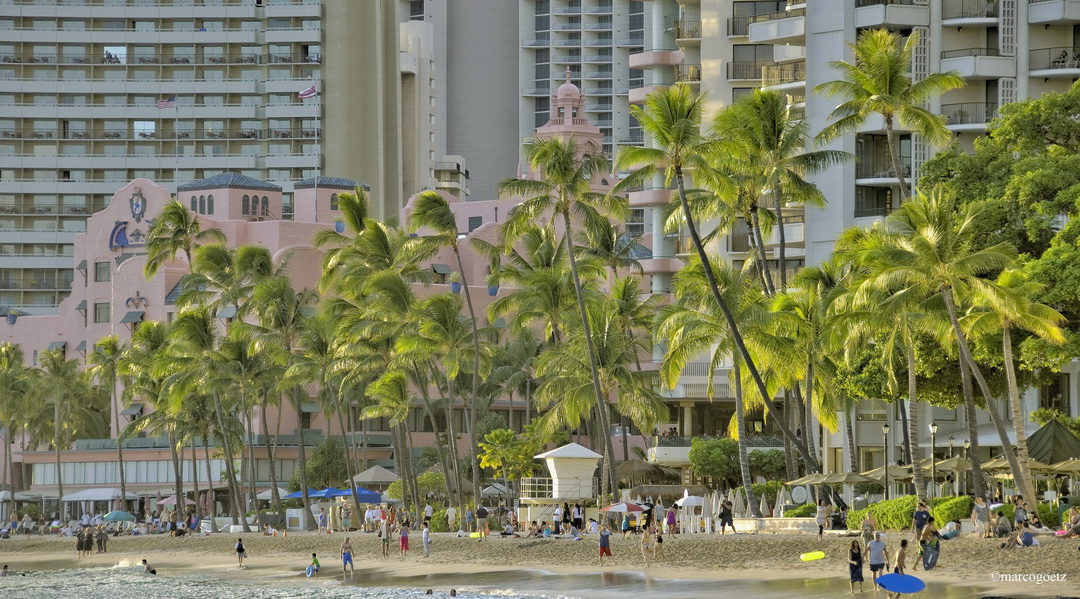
346,556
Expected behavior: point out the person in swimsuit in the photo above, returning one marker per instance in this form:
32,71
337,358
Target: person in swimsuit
346,556
403,534
240,552
855,561
658,550
646,545
148,568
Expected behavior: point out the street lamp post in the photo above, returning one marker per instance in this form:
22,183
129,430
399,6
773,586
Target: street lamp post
885,430
933,460
952,444
967,455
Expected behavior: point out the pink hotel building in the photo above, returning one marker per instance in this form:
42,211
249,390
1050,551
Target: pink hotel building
111,296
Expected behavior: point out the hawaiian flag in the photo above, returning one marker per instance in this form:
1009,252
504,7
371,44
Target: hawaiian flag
308,93
168,103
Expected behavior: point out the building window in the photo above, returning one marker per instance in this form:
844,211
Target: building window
333,201
871,409
475,222
245,206
202,205
102,272
194,204
210,204
265,206
101,312
1055,396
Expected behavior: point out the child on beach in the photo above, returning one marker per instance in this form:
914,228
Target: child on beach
426,538
146,568
605,544
313,569
646,544
240,552
658,549
403,538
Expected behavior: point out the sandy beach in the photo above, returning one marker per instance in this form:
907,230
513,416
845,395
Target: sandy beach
966,561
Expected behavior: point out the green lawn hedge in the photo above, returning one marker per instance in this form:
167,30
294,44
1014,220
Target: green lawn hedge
803,511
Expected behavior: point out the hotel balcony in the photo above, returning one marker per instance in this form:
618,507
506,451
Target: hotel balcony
787,27
688,32
746,70
978,63
969,13
1061,62
636,95
969,116
653,196
738,26
890,13
656,58
875,169
788,77
1053,11
688,73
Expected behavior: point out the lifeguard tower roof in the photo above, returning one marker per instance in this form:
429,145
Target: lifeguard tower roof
570,450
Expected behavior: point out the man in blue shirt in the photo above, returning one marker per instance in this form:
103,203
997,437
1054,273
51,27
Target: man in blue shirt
922,515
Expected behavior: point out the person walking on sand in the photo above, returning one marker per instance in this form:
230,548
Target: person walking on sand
345,551
403,541
980,517
822,517
855,559
879,556
605,544
322,520
869,526
451,519
646,545
426,538
240,552
468,520
658,549
671,528
726,516
384,534
481,521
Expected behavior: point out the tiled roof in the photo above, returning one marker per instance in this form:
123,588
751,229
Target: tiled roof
329,182
229,180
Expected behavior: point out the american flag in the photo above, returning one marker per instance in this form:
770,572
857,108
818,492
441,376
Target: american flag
308,93
169,103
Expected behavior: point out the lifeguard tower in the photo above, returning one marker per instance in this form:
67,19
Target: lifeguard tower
571,467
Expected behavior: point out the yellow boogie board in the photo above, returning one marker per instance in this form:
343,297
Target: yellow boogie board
474,535
813,555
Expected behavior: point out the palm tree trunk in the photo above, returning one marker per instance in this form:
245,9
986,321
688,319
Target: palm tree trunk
913,424
991,407
973,430
474,400
758,267
178,472
894,155
744,460
195,479
252,473
1023,483
528,400
781,237
56,447
119,444
230,468
763,260
349,473
412,468
736,335
209,482
274,495
812,443
790,466
610,483
305,522
803,421
849,426
453,475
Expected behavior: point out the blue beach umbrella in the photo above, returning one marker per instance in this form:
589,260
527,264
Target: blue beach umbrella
326,493
298,495
362,495
118,516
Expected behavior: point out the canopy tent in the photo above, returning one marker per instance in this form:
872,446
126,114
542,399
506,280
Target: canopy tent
809,479
495,490
1070,467
896,473
6,495
375,476
954,464
846,478
1053,443
97,495
298,495
1002,463
326,493
363,495
268,494
171,500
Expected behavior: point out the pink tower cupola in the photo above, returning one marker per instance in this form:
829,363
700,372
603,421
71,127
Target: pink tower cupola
568,119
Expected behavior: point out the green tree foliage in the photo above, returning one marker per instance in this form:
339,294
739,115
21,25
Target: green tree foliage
326,466
768,464
1043,415
717,459
430,485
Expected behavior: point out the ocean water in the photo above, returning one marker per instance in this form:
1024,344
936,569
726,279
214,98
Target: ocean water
129,582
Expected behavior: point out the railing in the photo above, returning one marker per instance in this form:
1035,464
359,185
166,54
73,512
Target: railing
670,440
738,26
969,9
874,209
745,69
32,283
539,43
780,74
1054,58
966,113
776,16
687,73
862,3
687,29
50,209
970,52
535,487
878,165
113,134
143,4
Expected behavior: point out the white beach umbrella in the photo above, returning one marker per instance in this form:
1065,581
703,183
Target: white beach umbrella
764,507
784,497
739,504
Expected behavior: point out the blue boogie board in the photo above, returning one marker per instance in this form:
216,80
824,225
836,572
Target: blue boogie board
310,571
931,551
900,583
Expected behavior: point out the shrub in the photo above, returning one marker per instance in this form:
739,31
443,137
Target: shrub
893,514
1048,513
948,509
803,511
438,521
770,490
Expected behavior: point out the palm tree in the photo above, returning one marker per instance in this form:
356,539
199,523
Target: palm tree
774,141
175,230
612,246
106,359
15,392
672,116
564,187
878,82
1000,307
59,389
930,251
514,367
694,325
433,212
